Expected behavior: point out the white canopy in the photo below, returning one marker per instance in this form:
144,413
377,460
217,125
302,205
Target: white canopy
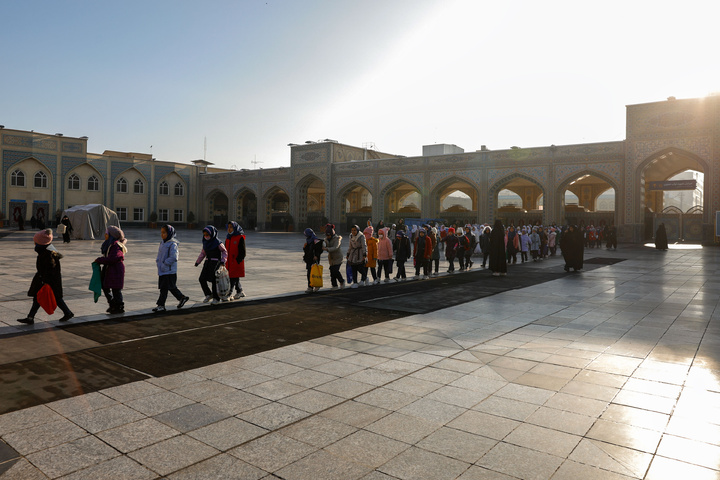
90,221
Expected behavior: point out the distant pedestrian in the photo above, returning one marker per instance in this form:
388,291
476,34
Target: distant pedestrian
33,222
114,259
332,246
385,254
48,273
312,251
498,259
402,254
661,240
68,229
357,256
573,248
235,246
21,222
167,263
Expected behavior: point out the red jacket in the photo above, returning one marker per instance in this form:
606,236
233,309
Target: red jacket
235,247
428,248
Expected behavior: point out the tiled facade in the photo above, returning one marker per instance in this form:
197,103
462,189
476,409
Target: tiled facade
686,131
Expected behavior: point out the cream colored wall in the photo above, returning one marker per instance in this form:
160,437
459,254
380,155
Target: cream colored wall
172,202
132,200
29,193
83,196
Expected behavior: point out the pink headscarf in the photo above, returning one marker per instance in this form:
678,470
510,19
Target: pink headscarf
368,232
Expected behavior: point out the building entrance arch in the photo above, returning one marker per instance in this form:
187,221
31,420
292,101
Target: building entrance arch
654,173
355,205
311,203
529,193
456,202
246,209
588,198
277,210
402,200
218,209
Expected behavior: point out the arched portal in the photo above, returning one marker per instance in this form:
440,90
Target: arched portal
588,199
277,210
517,200
456,202
218,209
402,200
673,177
246,209
355,206
311,203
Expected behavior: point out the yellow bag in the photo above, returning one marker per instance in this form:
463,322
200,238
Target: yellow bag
316,276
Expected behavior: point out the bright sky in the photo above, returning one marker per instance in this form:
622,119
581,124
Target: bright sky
253,76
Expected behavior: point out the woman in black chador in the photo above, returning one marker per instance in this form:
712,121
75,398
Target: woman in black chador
68,229
498,261
661,242
573,248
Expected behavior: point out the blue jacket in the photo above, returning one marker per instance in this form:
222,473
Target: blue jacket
167,257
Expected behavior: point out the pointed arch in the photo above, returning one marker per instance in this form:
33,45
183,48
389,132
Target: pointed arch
667,163
355,202
246,207
310,194
529,197
276,201
452,184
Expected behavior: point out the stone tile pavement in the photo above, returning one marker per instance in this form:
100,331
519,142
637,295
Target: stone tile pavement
608,374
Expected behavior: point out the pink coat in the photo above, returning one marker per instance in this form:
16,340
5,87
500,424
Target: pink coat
385,248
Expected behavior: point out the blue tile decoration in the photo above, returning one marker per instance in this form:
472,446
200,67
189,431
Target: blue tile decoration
72,147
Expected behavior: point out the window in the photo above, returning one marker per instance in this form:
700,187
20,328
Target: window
163,215
178,216
17,179
179,189
40,180
121,186
138,214
73,182
121,213
164,188
139,186
93,184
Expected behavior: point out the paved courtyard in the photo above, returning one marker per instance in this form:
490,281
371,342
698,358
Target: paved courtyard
607,374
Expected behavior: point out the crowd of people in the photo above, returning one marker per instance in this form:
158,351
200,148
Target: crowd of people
380,254
373,255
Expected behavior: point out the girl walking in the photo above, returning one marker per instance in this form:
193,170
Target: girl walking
357,255
114,261
402,253
335,258
215,254
48,272
166,261
312,250
385,254
235,246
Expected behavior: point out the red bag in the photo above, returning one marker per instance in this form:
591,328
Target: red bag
46,299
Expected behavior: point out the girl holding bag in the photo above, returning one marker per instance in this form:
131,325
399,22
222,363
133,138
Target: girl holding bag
312,250
48,273
215,254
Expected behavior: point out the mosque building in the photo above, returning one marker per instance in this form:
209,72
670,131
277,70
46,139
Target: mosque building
670,146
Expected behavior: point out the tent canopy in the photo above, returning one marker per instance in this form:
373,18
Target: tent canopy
90,221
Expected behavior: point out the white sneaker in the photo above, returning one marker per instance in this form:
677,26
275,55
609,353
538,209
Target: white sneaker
215,301
317,289
240,294
229,298
309,290
425,277
354,285
368,283
387,280
377,281
207,299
